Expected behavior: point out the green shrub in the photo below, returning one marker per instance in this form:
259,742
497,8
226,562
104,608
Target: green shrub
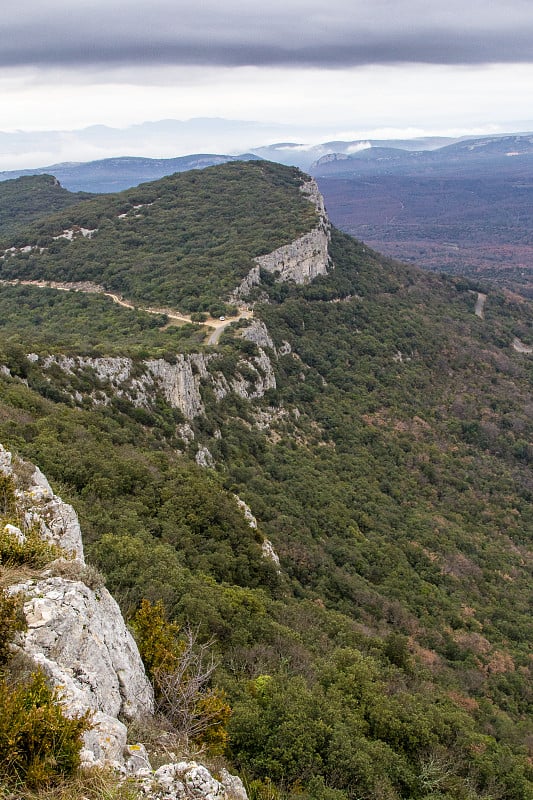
11,621
38,743
33,551
8,501
180,669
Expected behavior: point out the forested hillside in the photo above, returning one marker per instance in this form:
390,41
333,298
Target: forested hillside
29,198
185,240
377,421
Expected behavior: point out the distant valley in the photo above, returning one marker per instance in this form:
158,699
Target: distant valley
462,209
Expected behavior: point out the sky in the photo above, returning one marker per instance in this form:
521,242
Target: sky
304,70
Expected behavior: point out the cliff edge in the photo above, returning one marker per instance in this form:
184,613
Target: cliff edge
76,635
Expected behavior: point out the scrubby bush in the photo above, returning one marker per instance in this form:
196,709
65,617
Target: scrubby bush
29,548
181,669
8,501
38,743
11,622
32,550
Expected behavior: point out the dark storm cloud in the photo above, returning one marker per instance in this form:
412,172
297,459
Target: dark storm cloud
341,33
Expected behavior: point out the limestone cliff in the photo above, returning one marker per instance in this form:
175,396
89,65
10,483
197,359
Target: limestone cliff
77,636
178,382
301,260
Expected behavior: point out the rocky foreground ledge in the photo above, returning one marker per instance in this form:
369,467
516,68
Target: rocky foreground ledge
77,636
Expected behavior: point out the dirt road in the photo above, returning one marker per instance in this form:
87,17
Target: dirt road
93,288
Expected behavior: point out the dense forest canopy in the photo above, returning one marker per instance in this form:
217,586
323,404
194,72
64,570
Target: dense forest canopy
185,241
388,656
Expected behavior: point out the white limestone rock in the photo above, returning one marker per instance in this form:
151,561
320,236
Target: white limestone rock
89,651
57,520
301,260
204,458
185,779
233,785
257,332
188,780
15,532
104,744
253,278
180,382
137,760
247,512
268,551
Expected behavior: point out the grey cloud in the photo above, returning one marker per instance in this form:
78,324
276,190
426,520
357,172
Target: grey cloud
307,33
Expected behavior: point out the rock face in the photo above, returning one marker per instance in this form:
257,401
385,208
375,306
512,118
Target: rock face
179,382
187,779
57,520
257,332
77,636
301,260
267,547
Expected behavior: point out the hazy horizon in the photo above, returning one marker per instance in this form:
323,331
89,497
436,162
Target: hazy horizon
301,70
163,139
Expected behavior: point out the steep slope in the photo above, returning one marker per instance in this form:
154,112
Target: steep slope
75,636
377,425
184,241
31,198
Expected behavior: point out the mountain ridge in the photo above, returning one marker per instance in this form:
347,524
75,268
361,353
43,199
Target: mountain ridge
389,466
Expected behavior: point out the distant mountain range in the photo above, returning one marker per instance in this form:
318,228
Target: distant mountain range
116,174
510,154
429,157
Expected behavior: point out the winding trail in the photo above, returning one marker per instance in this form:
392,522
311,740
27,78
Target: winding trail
516,344
520,347
479,310
86,287
220,325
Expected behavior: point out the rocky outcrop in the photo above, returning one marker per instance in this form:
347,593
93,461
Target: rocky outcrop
267,547
253,278
301,260
77,636
188,780
257,332
81,631
179,382
57,521
204,458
